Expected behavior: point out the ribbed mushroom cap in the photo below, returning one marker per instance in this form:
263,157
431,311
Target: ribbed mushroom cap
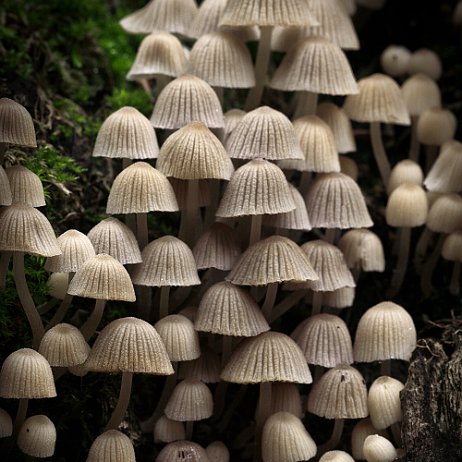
295,219
425,61
395,60
420,93
207,18
315,65
340,125
26,374
140,188
384,403
286,397
187,99
104,278
340,393
452,247
227,309
57,285
217,452
160,53
363,250
167,430
222,60
6,424
407,206
25,185
76,249
64,346
405,171
445,214
115,238
360,432
16,125
191,400
317,143
379,100
445,174
264,133
128,134
217,248
232,118
167,261
180,187
206,368
161,15
325,340
111,446
267,13
436,126
256,188
179,337
129,345
180,451
24,229
329,264
385,331
5,190
334,200
268,357
339,298
378,449
336,456
285,439
284,38
37,436
193,153
274,259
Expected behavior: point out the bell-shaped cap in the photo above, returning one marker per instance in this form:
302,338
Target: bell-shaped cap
16,125
336,456
407,206
182,450
436,126
37,437
111,446
187,99
452,247
394,60
127,134
5,190
420,93
268,357
129,345
360,432
217,452
405,171
167,261
378,449
445,214
25,185
232,118
167,430
57,285
207,18
384,402
339,298
425,61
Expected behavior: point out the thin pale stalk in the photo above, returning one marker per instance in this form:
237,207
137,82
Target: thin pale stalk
263,412
191,220
305,181
145,85
454,286
20,416
268,304
379,152
335,438
307,102
255,229
164,301
63,307
189,427
143,301
286,304
44,308
401,265
142,229
385,368
4,264
122,403
414,148
429,267
431,153
261,68
219,93
316,303
91,324
421,248
330,235
227,347
26,299
161,82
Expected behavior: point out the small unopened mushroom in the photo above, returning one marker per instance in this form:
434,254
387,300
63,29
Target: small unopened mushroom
37,437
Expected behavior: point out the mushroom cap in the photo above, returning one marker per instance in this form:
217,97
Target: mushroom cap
57,285
116,239
193,153
187,99
405,171
112,446
207,18
129,345
436,126
285,439
159,53
339,298
395,60
179,451
452,247
420,93
76,249
104,278
264,133
232,118
274,259
425,61
179,337
24,229
379,100
336,456
37,436
16,125
407,206
128,134
167,261
217,452
258,187
324,340
181,189
268,357
445,214
227,309
222,60
64,346
191,400
378,449
161,15
334,200
340,393
167,430
5,190
140,188
385,331
25,185
384,402
317,65
26,374
360,432
206,368
6,424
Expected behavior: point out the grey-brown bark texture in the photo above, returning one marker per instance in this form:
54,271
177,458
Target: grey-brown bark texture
432,404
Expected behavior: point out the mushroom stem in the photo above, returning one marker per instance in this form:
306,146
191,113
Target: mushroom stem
286,304
421,248
91,324
189,426
191,221
255,229
44,308
431,153
334,438
161,82
122,403
4,263
219,92
330,235
227,348
164,300
401,266
270,298
385,367
316,305
427,270
261,67
414,149
379,152
20,416
27,302
144,83
63,307
263,412
454,286
305,180
307,102
142,229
